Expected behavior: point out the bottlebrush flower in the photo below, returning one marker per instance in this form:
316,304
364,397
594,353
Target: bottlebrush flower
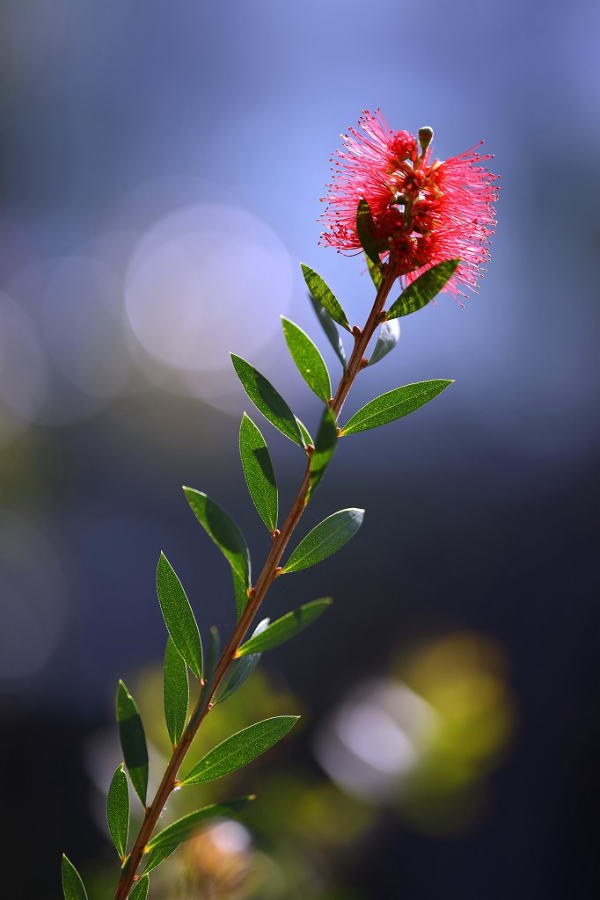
425,211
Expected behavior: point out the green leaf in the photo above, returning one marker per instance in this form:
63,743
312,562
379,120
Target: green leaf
324,296
240,669
267,400
389,335
393,405
326,538
367,232
308,359
183,829
140,891
259,473
133,741
117,811
223,531
72,885
176,691
178,615
375,273
330,329
240,749
324,448
286,627
304,432
423,289
240,593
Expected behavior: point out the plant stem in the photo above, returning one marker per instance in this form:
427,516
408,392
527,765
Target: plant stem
267,575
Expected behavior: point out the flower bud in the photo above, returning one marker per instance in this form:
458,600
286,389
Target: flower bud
425,137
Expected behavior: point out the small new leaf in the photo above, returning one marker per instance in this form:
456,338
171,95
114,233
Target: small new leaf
325,539
175,692
323,294
267,400
330,329
72,885
223,531
117,811
308,359
178,615
286,627
389,335
394,405
140,891
423,289
259,472
133,741
324,448
367,232
240,749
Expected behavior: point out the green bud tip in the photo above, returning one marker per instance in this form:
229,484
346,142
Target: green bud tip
425,137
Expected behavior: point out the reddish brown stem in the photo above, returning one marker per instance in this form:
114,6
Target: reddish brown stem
269,572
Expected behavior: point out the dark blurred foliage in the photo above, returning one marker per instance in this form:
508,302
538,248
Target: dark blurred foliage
161,169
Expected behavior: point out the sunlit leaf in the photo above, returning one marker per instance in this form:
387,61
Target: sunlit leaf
286,627
175,692
367,232
223,531
304,432
178,615
326,538
389,335
117,811
323,294
133,741
240,669
240,749
374,272
394,405
308,359
330,329
72,885
267,400
184,828
259,472
423,289
324,448
140,891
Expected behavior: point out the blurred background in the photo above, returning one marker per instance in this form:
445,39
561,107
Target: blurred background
162,165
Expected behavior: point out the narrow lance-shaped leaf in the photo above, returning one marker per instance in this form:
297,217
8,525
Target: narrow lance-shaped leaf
394,405
389,335
326,538
304,432
178,615
140,891
240,749
117,811
374,272
223,531
133,741
267,400
308,359
175,692
423,289
325,296
325,445
286,627
330,329
367,232
184,828
259,472
240,669
72,885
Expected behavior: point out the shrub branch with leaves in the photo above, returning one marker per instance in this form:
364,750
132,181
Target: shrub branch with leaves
426,222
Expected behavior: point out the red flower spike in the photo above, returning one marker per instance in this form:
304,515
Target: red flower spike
425,211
